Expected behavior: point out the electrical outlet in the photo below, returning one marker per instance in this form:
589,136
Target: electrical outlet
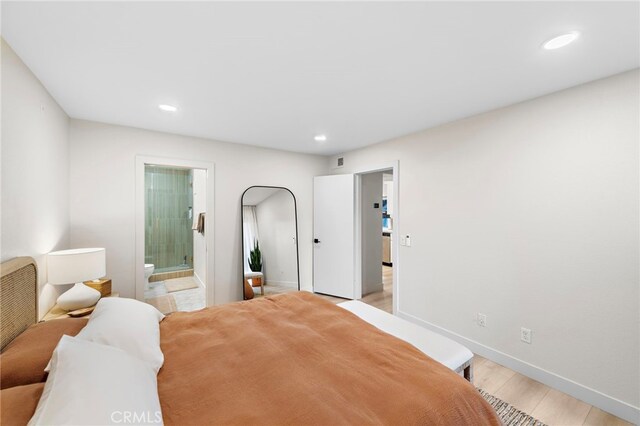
482,320
525,335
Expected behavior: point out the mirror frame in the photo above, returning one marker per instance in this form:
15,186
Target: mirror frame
295,212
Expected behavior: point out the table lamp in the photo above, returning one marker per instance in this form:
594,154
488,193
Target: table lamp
73,267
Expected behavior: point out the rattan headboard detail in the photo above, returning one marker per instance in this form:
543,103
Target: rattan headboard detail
18,297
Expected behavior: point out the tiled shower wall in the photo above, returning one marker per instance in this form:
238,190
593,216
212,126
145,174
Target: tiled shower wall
168,233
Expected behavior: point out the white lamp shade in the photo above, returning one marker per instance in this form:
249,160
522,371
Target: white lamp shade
77,265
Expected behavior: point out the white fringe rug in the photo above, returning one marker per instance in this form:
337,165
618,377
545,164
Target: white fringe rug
509,414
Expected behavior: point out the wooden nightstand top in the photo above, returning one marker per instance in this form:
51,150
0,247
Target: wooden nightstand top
56,312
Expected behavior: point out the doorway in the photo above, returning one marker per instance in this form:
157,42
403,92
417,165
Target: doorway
174,236
376,231
174,245
349,236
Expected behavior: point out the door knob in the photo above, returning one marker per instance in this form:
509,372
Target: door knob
315,240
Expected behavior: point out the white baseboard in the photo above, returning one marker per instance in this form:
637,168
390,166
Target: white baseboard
591,396
198,280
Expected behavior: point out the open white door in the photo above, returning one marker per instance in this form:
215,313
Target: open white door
333,227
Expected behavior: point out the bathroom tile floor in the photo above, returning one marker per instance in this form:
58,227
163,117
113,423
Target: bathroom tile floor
186,300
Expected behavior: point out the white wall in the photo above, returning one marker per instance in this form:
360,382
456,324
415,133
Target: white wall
199,241
387,191
103,195
529,214
35,171
371,232
277,228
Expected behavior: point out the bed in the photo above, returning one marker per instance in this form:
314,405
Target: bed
287,359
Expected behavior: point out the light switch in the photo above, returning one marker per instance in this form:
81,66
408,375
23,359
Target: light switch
407,241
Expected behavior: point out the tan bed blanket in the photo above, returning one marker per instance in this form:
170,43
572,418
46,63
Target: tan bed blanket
296,359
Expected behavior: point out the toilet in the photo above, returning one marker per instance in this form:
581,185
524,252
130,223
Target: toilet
148,271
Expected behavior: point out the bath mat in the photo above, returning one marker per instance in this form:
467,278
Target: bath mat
165,304
178,284
509,414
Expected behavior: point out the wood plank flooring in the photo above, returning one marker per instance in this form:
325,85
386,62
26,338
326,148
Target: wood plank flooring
382,300
542,402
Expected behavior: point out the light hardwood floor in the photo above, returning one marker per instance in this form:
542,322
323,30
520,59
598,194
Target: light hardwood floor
542,402
382,300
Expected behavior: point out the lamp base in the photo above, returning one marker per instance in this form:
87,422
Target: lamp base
77,297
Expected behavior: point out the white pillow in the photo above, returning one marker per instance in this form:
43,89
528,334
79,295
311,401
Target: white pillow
129,325
93,384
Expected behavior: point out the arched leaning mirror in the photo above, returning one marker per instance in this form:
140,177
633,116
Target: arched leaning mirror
269,242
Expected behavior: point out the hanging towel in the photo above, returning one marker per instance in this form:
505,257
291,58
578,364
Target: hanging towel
200,227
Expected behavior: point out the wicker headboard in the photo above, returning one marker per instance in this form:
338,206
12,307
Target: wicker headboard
18,297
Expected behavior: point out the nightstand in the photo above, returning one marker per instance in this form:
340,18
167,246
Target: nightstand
56,312
103,285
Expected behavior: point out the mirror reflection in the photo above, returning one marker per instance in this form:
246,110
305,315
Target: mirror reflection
269,242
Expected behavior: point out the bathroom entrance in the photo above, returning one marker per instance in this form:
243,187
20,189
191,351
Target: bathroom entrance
173,222
174,249
168,239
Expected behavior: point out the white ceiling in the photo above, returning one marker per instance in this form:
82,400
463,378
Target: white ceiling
276,74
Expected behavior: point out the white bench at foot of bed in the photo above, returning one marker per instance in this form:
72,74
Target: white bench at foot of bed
442,349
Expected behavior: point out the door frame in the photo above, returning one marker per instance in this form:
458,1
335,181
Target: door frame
141,161
394,166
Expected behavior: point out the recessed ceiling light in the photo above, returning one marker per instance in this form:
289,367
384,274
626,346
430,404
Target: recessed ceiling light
169,108
561,40
320,138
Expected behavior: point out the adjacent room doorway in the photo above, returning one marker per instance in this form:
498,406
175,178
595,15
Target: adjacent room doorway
356,217
174,236
377,239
